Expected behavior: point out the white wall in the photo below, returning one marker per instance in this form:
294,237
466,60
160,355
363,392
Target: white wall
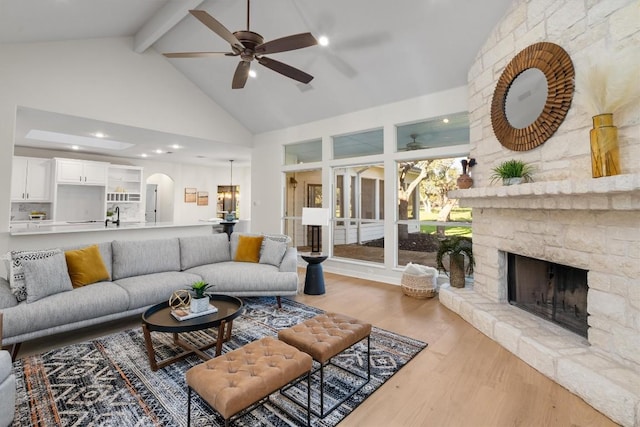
104,79
267,179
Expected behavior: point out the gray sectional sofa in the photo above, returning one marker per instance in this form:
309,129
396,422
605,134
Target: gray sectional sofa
146,272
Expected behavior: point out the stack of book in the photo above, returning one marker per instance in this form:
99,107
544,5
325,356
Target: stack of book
184,314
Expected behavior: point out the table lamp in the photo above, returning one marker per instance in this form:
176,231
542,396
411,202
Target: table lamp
315,217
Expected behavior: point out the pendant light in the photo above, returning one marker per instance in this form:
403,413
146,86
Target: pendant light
231,213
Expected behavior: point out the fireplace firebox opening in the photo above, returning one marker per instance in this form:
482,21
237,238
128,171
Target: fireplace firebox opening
552,291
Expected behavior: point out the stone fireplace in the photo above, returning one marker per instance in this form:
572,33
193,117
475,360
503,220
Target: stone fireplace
592,225
565,217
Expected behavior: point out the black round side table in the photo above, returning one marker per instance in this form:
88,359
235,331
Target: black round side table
314,279
227,227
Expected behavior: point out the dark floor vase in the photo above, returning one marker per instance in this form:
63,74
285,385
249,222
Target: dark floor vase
456,268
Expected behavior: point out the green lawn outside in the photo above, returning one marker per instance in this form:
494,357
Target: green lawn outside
457,214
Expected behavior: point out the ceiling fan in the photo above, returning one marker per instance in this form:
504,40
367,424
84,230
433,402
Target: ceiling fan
413,145
249,46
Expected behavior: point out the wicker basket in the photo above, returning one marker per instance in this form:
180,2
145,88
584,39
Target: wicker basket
420,287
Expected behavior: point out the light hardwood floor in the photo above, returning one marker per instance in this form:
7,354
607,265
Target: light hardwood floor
462,378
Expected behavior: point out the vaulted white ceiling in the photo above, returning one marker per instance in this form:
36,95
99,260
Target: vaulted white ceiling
380,51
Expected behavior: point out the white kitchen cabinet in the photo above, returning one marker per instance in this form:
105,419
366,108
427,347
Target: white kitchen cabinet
31,179
124,184
81,172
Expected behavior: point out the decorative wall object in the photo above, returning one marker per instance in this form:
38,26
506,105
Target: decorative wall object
190,195
203,198
524,130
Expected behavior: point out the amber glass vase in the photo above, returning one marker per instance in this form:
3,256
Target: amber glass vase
605,155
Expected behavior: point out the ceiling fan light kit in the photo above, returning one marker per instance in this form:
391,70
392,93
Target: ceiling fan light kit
249,45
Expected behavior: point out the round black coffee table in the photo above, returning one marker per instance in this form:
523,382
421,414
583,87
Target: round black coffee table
159,319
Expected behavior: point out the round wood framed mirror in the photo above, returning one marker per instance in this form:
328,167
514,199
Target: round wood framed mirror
526,110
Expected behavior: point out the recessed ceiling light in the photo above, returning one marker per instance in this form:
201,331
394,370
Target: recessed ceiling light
252,74
143,155
75,147
99,135
81,141
176,146
323,41
445,120
158,151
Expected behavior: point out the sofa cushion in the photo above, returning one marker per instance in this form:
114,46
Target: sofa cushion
239,278
7,299
155,288
16,273
44,277
200,250
86,266
140,257
248,249
88,302
272,252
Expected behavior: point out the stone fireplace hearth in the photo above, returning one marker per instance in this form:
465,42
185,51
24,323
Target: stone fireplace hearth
593,225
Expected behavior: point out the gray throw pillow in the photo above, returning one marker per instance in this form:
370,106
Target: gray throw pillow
44,277
272,252
16,272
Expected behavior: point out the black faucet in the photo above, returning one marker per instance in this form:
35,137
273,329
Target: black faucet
117,221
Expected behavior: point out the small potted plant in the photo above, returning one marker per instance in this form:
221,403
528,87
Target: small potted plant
200,300
457,248
512,172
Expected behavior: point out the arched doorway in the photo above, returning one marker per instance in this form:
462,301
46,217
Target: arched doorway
160,198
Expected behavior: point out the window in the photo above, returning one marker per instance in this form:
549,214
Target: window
303,152
302,189
359,201
427,164
358,144
440,131
425,213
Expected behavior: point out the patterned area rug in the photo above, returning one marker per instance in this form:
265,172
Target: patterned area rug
108,381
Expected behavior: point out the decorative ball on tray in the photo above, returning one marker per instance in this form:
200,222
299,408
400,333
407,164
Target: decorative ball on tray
180,299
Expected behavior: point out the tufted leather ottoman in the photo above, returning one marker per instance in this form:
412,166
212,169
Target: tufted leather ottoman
243,377
325,336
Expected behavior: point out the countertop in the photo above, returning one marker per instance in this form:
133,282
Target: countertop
53,228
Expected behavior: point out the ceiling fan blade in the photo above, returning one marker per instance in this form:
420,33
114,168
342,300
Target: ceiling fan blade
217,28
198,54
241,75
286,70
296,41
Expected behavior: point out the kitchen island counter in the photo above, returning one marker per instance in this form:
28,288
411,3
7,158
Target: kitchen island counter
57,228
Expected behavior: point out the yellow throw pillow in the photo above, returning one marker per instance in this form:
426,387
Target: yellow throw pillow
248,248
86,266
